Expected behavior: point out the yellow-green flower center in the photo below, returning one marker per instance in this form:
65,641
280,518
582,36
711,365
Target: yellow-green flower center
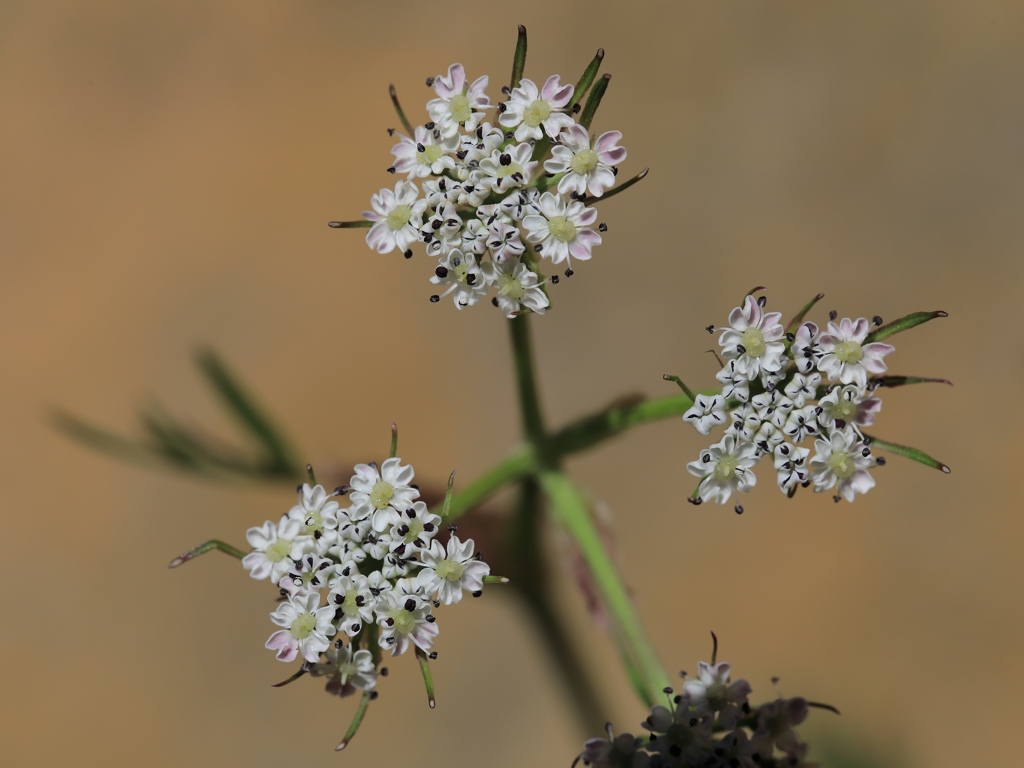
841,465
753,342
536,113
844,409
279,550
849,352
381,494
726,468
349,605
347,669
302,626
508,170
405,622
584,162
450,570
415,529
399,217
430,154
561,228
509,286
459,107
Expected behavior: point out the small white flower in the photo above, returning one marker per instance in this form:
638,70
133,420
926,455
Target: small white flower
563,229
456,105
315,510
840,459
442,232
413,530
503,240
791,466
507,168
307,628
478,145
403,615
753,340
517,286
848,407
397,216
530,109
521,204
347,671
424,154
275,548
311,573
802,423
712,692
805,350
354,600
587,168
706,413
846,358
734,386
724,467
803,387
448,573
377,489
460,272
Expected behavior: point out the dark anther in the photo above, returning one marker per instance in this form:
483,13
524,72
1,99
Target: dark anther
840,423
375,694
338,644
866,452
706,458
437,603
506,90
836,499
502,107
391,170
470,279
420,148
549,175
554,279
338,613
740,348
710,329
432,655
832,315
762,300
805,484
505,158
431,618
877,320
435,224
602,227
410,604
790,337
477,593
408,254
667,690
576,108
569,272
695,501
739,509
494,300
461,154
866,441
615,170
434,299
391,131
430,82
538,248
429,126
880,461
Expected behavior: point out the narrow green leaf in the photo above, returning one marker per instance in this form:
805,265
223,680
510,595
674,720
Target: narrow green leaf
910,453
394,440
594,100
677,380
398,109
428,678
446,508
899,381
519,58
586,80
102,440
356,721
490,579
349,224
915,318
754,290
248,414
302,670
311,475
795,322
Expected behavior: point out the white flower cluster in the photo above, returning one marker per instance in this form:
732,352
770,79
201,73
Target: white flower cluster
811,384
709,725
491,196
370,571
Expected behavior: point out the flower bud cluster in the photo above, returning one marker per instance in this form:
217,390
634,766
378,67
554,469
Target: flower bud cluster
498,190
781,389
367,573
710,724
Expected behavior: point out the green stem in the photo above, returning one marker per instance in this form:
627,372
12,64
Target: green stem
573,512
526,384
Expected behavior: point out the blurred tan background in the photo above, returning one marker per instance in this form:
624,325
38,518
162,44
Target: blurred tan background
167,170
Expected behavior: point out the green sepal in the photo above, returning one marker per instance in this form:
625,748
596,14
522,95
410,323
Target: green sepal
362,223
490,579
202,549
795,322
754,290
587,79
400,111
682,386
394,441
624,185
311,475
910,453
915,318
594,101
302,670
519,58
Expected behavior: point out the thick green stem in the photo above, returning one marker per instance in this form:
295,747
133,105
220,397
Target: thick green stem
526,384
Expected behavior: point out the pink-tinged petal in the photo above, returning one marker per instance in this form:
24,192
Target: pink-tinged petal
257,565
586,216
377,238
556,94
287,647
476,90
600,180
551,205
606,143
449,86
860,329
527,90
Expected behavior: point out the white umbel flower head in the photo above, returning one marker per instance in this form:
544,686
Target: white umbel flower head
397,216
307,628
517,286
725,467
706,413
562,228
587,169
346,671
841,459
846,358
753,340
447,573
529,109
456,105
